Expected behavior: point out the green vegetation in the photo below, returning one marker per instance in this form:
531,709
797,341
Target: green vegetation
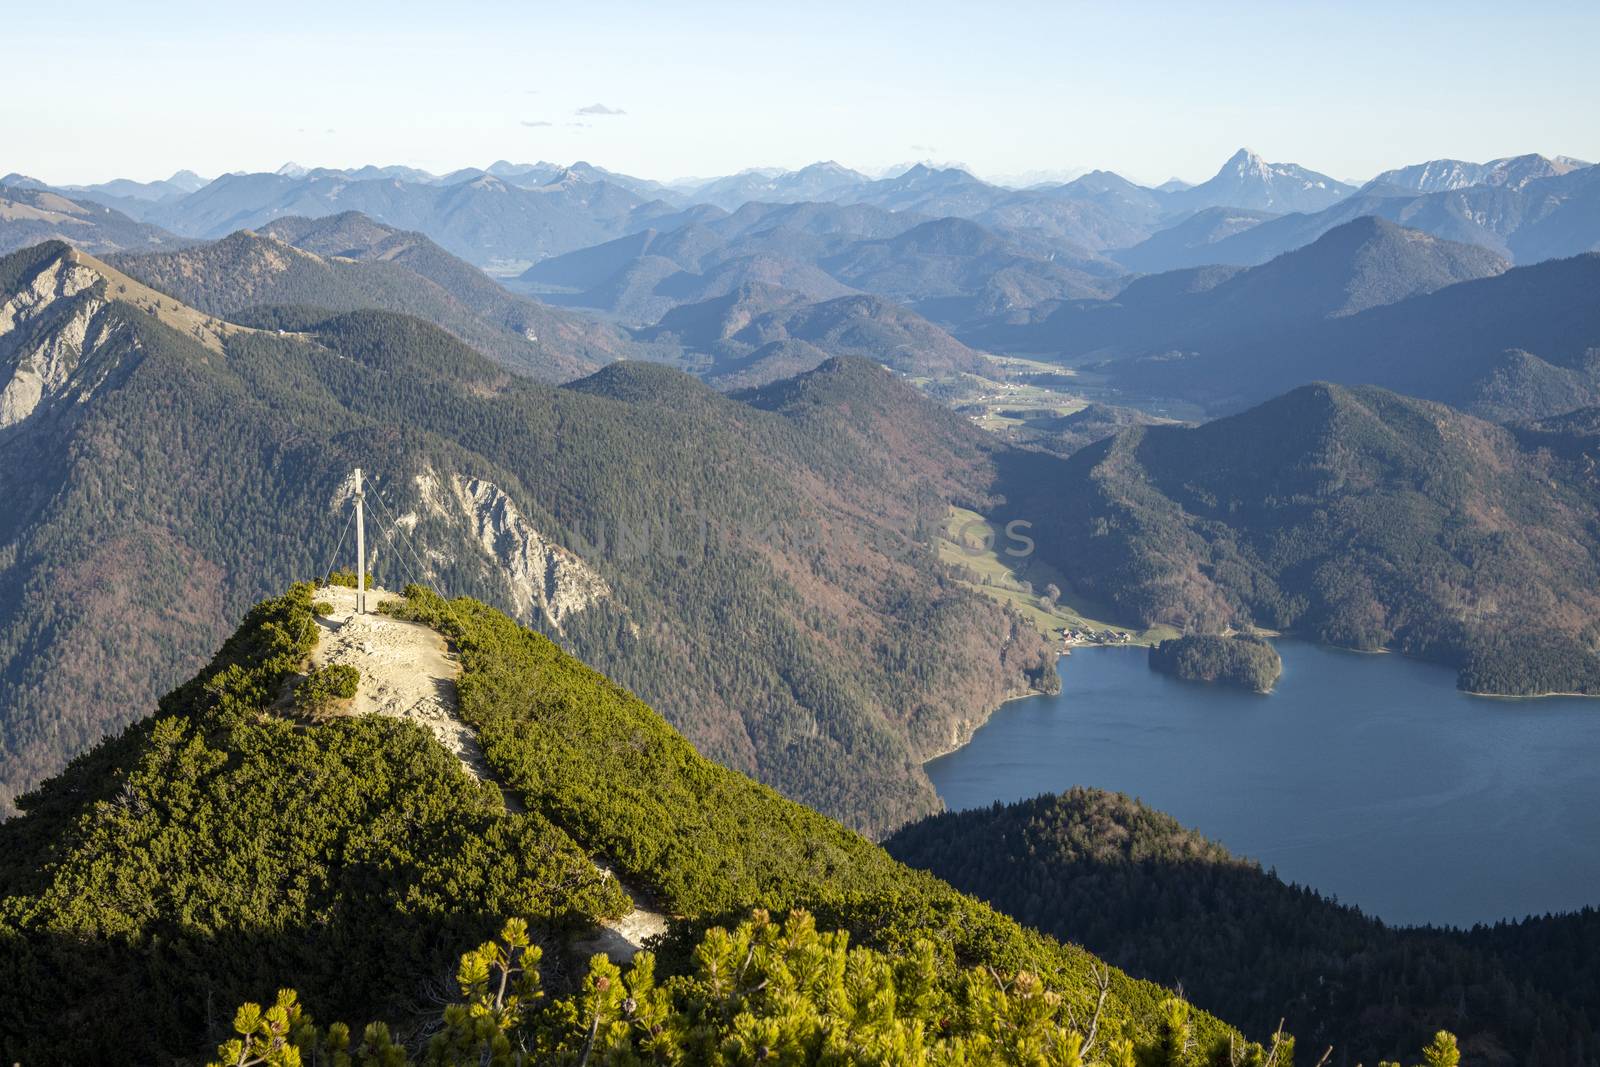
763,992
1162,901
212,851
596,761
215,851
981,553
326,686
1013,394
1241,660
347,579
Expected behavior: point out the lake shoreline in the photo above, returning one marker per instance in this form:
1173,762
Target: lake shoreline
1363,778
967,729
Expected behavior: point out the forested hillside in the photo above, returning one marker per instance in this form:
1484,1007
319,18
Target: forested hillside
749,336
216,852
1162,901
249,270
1240,660
764,575
1352,515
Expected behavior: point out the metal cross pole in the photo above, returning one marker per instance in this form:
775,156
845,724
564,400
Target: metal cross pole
361,551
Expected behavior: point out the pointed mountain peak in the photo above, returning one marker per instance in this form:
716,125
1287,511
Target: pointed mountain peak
573,174
1245,161
828,166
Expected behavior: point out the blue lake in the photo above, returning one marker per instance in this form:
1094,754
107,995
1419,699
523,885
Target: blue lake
1369,777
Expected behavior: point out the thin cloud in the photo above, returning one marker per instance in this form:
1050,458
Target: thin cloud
536,122
923,148
599,109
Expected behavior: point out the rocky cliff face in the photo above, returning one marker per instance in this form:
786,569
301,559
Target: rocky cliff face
60,322
45,328
544,577
545,581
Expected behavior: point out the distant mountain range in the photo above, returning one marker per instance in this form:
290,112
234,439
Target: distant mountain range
1528,220
1202,311
968,265
819,182
1367,303
951,270
1441,175
30,214
508,216
486,220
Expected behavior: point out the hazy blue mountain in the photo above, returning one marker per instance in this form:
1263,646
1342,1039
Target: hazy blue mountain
1079,230
30,213
1188,244
640,277
817,182
727,330
957,270
1074,226
928,190
586,268
1192,315
1122,198
1365,263
1246,180
485,220
1439,175
1521,344
818,228
120,191
1099,210
952,269
585,171
1541,218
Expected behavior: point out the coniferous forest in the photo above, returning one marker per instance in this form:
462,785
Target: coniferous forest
543,537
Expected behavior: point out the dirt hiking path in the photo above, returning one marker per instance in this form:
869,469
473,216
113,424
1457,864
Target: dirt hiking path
408,672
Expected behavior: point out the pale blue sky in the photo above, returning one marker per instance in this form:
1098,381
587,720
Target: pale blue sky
98,90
